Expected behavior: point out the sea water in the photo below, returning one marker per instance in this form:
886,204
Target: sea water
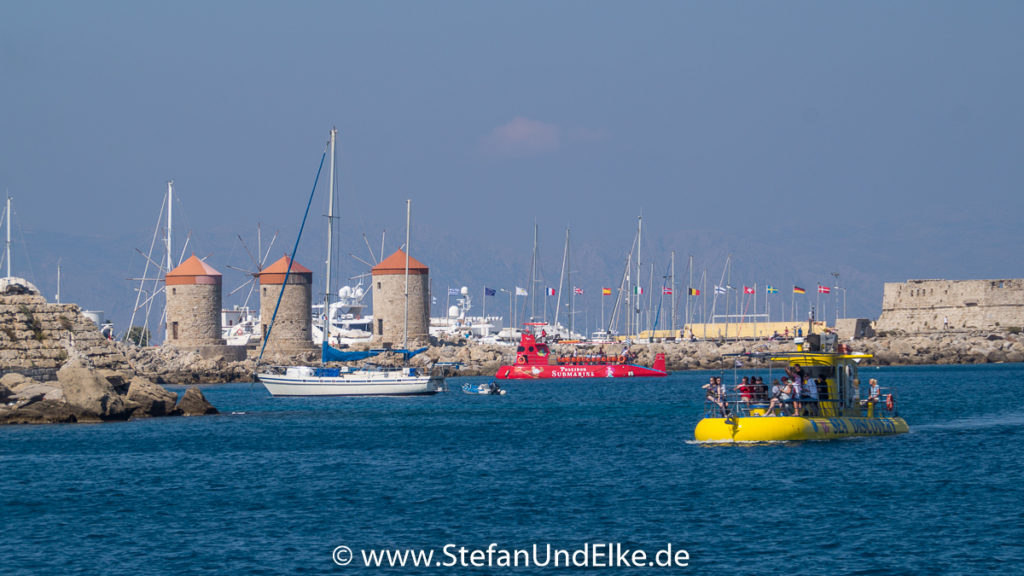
278,485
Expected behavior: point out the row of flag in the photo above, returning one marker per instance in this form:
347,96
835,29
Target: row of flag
768,289
639,290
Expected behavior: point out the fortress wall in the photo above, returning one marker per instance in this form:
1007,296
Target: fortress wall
919,306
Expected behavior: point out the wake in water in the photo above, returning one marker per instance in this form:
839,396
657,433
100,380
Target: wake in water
1006,419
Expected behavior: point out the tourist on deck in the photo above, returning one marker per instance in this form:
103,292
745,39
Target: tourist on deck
716,393
810,391
797,379
746,390
779,397
760,390
874,392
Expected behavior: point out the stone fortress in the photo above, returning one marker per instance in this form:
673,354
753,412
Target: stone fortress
922,306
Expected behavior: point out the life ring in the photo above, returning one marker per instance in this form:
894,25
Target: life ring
238,331
521,360
621,359
889,402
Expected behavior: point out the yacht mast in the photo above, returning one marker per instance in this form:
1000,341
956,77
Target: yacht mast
7,254
405,326
561,277
325,340
673,294
58,281
639,283
170,259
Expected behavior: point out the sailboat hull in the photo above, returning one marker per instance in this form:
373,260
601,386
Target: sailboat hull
371,384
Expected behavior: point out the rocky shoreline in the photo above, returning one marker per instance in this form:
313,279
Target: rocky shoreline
170,366
56,367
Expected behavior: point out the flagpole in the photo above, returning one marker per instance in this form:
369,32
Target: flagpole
704,303
485,309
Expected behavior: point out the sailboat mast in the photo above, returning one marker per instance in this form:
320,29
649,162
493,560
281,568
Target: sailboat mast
58,281
170,259
7,254
405,326
639,243
673,294
533,276
325,339
170,220
561,278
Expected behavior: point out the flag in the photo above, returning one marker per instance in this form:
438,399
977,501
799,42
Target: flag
693,292
720,289
823,289
666,291
638,289
606,291
521,292
577,290
748,290
551,291
772,290
453,291
798,290
489,291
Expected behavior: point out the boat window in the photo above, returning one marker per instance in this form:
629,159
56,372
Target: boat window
531,348
519,349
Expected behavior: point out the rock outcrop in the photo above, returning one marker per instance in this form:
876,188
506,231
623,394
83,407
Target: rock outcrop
55,366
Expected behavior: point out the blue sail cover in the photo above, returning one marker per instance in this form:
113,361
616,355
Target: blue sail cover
329,354
408,353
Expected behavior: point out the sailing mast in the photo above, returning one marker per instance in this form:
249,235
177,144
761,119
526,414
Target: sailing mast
639,285
170,258
561,278
673,294
7,252
405,326
325,339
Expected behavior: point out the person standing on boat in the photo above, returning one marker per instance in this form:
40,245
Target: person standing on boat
796,373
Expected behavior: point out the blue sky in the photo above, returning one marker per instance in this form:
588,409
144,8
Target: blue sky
877,138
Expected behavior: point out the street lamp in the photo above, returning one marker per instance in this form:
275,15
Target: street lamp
511,307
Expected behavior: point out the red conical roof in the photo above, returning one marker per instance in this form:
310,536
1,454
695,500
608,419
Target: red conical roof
192,271
395,264
274,274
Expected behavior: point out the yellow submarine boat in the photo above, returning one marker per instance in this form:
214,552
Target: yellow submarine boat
838,413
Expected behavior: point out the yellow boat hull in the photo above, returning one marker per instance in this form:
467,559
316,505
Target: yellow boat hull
790,428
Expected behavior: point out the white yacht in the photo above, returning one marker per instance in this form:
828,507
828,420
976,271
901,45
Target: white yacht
347,381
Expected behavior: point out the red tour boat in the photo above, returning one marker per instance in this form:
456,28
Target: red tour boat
534,361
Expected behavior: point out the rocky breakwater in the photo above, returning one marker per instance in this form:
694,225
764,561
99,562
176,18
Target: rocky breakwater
895,349
55,366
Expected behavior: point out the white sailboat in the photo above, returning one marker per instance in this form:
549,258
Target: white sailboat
348,381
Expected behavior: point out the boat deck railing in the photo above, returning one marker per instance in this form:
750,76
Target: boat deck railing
733,404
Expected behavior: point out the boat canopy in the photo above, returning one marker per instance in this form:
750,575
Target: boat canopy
329,354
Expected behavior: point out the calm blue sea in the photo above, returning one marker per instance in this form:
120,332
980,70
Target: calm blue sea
273,486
